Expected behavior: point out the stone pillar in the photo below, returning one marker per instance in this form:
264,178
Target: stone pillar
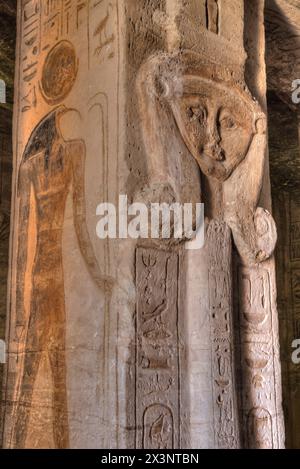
68,114
124,343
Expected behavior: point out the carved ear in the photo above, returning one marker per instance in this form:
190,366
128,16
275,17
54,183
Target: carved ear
261,124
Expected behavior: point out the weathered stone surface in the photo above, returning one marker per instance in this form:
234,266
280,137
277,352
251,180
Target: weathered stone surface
283,47
53,275
148,99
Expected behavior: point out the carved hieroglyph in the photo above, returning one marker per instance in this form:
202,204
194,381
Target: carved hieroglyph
258,359
226,419
157,404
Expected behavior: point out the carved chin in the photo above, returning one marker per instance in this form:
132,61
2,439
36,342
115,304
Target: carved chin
213,168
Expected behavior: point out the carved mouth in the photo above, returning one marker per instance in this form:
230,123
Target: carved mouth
212,167
216,154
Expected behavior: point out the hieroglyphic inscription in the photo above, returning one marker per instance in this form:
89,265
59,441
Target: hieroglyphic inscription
220,306
31,41
104,34
63,18
212,15
157,349
158,420
260,429
44,24
257,357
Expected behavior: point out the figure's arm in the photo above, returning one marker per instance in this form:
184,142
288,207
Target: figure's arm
23,192
105,282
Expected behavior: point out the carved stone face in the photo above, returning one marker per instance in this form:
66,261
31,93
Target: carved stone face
216,123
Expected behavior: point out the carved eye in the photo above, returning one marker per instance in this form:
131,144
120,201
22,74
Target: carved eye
196,113
228,123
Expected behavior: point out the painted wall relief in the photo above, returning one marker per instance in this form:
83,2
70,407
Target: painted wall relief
59,72
50,169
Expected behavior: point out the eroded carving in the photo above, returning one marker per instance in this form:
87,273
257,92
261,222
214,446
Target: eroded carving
224,129
158,427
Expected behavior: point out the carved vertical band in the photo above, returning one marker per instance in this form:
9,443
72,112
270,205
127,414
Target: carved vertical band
157,350
258,359
222,337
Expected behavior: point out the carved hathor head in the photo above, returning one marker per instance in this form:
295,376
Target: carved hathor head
221,126
215,114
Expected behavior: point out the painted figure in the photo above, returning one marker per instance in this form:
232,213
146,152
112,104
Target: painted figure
49,169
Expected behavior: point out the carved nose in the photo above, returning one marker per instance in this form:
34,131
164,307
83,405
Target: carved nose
214,151
211,147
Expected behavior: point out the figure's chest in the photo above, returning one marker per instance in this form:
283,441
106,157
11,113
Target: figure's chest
51,171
